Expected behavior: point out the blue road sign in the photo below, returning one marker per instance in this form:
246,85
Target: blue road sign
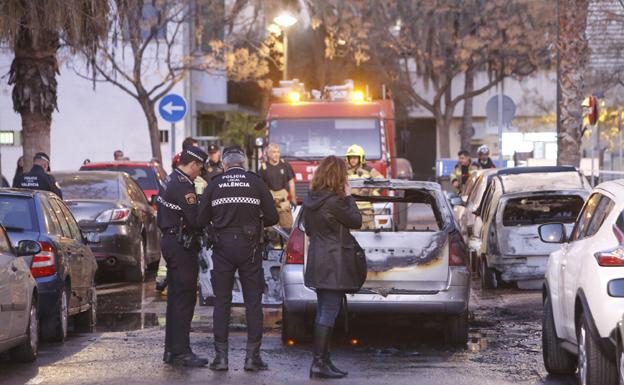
172,108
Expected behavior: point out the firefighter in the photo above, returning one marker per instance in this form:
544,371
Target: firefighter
358,169
462,171
237,205
483,152
279,176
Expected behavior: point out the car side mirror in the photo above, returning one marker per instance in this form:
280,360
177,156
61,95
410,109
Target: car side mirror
455,199
552,233
27,247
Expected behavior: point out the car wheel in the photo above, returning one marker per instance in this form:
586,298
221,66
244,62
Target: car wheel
137,273
556,359
456,333
620,361
594,368
28,350
85,321
474,263
55,327
293,327
488,276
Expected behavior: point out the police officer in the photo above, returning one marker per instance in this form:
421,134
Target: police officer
234,203
358,169
214,166
280,177
178,221
38,177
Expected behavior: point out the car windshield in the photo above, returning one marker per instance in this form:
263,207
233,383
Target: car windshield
536,210
316,138
144,176
17,213
88,187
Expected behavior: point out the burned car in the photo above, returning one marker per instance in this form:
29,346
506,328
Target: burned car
516,203
417,262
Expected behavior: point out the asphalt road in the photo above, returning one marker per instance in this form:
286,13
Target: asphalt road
504,348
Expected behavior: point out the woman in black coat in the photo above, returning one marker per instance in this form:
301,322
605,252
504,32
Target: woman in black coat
329,212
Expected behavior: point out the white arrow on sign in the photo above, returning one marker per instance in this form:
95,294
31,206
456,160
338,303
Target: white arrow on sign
170,107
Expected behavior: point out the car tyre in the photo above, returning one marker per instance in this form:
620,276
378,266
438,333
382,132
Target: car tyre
488,276
593,368
456,333
293,326
620,361
556,359
137,272
29,349
85,321
54,328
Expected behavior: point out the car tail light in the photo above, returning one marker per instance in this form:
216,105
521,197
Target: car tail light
44,263
458,254
295,247
113,216
613,257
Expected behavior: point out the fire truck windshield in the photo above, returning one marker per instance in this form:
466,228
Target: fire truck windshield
317,138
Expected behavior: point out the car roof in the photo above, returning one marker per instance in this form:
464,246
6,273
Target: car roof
543,181
93,174
394,184
119,163
22,192
616,187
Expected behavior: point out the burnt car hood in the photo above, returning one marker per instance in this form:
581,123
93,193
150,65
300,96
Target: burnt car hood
87,210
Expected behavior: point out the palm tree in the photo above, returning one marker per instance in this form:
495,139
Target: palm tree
35,30
573,54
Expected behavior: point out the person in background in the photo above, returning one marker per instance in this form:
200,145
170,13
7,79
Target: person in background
214,166
39,178
279,176
358,169
19,170
118,155
329,212
484,157
462,170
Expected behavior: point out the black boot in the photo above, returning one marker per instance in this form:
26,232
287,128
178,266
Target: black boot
253,361
328,358
220,361
167,357
188,359
320,364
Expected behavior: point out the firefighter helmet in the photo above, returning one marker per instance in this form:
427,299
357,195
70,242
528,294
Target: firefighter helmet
355,150
483,149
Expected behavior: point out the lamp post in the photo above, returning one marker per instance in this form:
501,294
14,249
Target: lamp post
285,21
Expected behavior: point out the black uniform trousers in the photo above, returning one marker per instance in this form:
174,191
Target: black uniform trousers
182,272
232,252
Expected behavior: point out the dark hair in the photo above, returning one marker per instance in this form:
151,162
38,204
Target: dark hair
463,152
189,142
330,175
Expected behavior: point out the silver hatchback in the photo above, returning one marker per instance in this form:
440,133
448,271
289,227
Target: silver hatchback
417,261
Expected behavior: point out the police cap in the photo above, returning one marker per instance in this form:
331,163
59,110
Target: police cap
233,150
212,148
42,156
193,153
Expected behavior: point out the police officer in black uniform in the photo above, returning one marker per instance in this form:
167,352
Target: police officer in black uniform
214,166
178,221
237,204
38,178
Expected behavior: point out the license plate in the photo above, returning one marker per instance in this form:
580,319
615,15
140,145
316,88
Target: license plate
92,237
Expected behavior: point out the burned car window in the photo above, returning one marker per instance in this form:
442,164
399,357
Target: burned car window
538,209
400,210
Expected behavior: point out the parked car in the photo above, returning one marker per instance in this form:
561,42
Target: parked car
584,289
149,175
64,268
19,317
517,201
116,218
417,261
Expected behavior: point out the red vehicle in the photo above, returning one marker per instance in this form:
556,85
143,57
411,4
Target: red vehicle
307,131
148,175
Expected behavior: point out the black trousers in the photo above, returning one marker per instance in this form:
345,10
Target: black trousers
182,271
234,252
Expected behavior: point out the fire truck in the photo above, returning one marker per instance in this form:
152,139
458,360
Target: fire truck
311,126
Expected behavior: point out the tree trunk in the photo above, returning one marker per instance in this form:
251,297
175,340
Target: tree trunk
573,54
467,130
443,127
149,110
33,76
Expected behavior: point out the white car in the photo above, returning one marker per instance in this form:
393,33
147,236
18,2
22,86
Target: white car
583,292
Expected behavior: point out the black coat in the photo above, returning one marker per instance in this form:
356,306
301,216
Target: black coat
328,218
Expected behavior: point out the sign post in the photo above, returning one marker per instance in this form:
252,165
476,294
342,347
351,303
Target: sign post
172,108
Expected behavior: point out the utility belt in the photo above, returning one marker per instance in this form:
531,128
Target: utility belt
186,238
252,234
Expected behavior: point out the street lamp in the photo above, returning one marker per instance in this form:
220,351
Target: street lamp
285,21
